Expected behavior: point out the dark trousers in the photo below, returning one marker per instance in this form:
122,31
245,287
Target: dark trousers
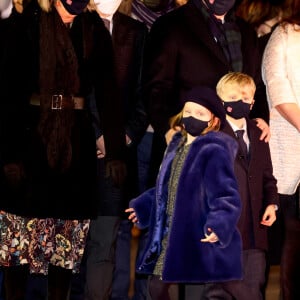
1,284
254,272
290,259
15,281
121,275
159,290
54,286
100,257
141,280
101,243
144,156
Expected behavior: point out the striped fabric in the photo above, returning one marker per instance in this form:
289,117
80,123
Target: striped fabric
144,14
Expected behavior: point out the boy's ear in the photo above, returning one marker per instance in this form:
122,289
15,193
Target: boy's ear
253,101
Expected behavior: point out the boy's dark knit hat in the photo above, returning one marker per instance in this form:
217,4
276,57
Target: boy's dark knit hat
75,7
208,98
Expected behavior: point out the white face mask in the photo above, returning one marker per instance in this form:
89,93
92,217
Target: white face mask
5,8
4,4
107,7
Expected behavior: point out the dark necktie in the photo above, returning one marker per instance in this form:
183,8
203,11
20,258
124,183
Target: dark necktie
241,141
107,24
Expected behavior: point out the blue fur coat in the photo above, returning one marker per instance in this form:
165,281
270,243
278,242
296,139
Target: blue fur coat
207,197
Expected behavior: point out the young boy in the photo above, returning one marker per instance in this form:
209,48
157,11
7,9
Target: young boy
257,185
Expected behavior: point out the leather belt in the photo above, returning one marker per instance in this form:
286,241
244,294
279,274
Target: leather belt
59,101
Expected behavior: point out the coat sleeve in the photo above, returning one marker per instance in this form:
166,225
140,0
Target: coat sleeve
143,205
159,79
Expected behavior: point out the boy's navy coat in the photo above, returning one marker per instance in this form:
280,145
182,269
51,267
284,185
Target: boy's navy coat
256,182
207,197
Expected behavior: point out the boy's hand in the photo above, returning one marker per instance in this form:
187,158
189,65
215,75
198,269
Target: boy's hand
264,127
269,216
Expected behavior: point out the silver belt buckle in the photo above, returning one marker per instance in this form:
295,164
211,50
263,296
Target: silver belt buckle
56,102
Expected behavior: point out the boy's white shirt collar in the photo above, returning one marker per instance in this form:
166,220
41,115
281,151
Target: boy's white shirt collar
244,127
235,127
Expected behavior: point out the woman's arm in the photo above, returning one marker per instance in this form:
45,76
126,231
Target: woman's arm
291,112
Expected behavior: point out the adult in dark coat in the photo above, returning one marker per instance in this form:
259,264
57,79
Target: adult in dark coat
21,144
108,230
48,141
185,51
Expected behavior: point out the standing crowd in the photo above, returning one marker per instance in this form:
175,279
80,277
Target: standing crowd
174,121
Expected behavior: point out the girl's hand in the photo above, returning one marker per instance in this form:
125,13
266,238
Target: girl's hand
210,238
132,216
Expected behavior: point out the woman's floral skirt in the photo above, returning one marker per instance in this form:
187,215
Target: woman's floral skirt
38,242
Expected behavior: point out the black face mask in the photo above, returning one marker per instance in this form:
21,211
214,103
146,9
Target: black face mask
194,126
220,7
237,109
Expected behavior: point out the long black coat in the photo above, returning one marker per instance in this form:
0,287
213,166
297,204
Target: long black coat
128,40
257,186
44,192
183,54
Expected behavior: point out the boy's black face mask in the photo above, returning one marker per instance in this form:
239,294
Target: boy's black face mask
220,7
237,109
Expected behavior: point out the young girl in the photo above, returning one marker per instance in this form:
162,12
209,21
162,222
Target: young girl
192,212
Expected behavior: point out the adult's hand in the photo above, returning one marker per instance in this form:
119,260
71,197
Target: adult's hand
100,147
116,170
14,173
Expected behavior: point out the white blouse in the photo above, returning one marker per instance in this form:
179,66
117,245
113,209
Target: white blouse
281,74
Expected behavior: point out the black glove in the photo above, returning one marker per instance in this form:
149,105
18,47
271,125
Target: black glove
116,170
14,174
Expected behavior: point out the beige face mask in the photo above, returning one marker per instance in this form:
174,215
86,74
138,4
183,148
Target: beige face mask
107,7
